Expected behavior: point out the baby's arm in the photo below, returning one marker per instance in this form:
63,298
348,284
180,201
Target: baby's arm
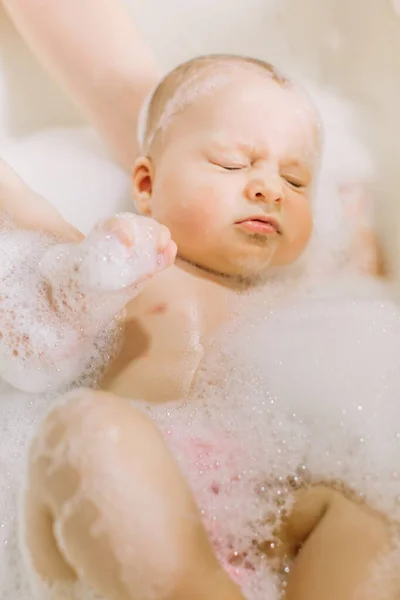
55,298
339,539
94,49
106,503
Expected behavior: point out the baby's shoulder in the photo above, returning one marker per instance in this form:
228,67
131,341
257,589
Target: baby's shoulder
168,291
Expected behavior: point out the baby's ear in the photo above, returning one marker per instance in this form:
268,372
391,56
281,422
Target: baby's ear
143,175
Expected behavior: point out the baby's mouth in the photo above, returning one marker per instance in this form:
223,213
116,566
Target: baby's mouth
261,224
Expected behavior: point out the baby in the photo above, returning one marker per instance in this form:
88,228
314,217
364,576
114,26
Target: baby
230,155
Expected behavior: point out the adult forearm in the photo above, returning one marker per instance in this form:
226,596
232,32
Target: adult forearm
94,49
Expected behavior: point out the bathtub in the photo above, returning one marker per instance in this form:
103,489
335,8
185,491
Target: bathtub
350,54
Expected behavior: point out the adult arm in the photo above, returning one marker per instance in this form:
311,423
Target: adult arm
94,49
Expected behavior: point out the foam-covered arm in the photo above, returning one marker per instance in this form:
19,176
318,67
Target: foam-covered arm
56,298
94,49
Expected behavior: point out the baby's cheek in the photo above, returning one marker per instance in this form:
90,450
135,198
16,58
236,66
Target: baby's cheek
198,214
299,226
299,217
305,221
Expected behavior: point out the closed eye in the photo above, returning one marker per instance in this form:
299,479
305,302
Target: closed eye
295,184
228,167
231,168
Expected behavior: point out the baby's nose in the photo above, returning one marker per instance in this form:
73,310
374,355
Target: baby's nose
264,190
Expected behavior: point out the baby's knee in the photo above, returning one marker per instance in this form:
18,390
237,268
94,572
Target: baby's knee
75,440
319,504
89,431
82,413
74,416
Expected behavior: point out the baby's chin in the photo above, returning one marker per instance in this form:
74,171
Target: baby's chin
252,265
255,271
246,263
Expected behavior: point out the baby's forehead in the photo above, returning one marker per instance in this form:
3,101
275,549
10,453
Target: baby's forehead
253,92
182,86
221,82
258,115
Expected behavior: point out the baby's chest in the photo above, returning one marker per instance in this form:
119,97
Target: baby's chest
161,349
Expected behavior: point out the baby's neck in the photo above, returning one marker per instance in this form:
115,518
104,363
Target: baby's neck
237,284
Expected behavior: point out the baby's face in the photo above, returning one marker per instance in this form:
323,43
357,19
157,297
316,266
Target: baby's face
232,177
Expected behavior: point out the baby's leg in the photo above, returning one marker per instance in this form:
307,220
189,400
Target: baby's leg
339,540
102,480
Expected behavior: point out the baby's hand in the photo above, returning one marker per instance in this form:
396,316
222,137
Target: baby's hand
116,257
124,251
